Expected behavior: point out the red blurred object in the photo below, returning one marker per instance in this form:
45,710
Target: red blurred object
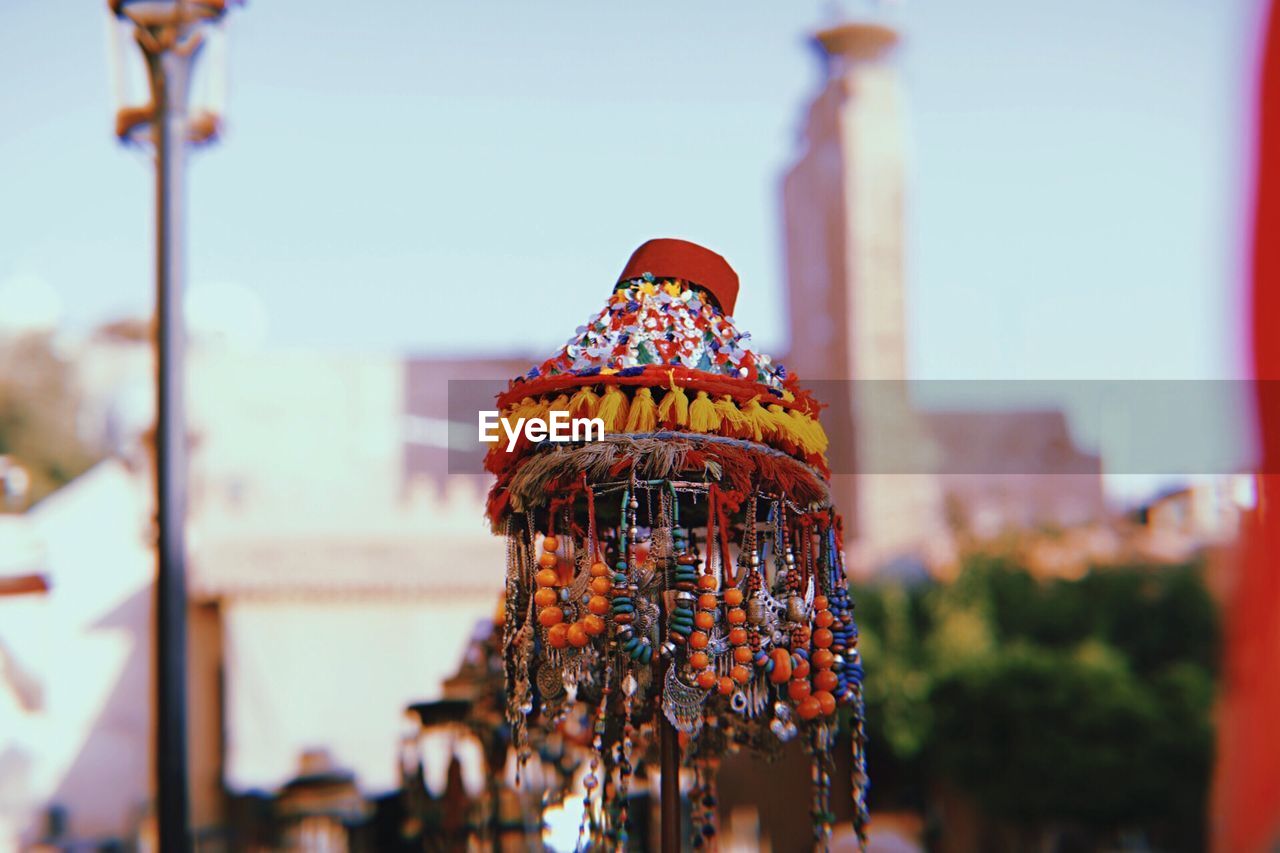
670,258
24,585
1246,807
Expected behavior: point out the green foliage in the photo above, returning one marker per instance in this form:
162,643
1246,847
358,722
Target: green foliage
1082,702
38,406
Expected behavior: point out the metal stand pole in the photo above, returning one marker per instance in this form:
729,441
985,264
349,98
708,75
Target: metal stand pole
669,760
170,75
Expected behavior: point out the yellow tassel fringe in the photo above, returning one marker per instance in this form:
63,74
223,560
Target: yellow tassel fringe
752,421
674,408
613,410
644,412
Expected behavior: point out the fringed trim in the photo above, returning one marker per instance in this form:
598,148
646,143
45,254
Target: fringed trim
643,416
673,411
613,410
585,403
789,430
703,416
735,466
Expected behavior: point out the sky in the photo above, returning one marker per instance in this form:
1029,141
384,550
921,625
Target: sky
455,178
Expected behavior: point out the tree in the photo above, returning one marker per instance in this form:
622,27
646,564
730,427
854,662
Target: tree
38,407
1081,703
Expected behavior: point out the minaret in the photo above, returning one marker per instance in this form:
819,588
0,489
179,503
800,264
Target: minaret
843,209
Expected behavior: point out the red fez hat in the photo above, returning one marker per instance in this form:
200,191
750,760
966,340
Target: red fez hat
670,258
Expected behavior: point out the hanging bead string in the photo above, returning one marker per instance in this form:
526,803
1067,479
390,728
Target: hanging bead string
592,533
722,524
756,615
702,798
746,654
705,618
592,780
696,816
684,578
848,667
624,762
511,629
806,543
821,815
796,676
735,616
520,699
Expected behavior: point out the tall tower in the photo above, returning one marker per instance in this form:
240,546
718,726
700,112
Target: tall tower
843,211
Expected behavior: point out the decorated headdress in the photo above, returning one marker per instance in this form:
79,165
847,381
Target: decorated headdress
688,559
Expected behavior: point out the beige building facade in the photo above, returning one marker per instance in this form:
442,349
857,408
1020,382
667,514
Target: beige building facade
843,203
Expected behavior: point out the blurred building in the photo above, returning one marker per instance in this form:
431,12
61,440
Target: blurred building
1206,513
904,477
1015,470
75,691
332,585
843,211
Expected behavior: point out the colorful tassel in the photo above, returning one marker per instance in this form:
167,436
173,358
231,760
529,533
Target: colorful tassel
758,419
783,427
732,422
703,416
527,408
643,416
559,404
613,410
673,411
584,403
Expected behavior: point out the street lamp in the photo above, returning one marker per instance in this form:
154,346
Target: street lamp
170,34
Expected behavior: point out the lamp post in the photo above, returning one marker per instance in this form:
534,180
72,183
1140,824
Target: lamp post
170,34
